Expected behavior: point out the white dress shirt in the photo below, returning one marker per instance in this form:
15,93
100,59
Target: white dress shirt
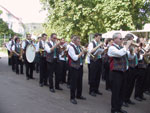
114,52
62,58
61,55
130,57
8,46
71,53
47,48
91,46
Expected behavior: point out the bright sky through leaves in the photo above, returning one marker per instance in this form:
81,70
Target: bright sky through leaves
28,10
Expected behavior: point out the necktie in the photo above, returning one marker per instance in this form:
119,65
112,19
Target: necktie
79,52
136,60
127,61
54,50
98,55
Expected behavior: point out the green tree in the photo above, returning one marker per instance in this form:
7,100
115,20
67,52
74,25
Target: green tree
83,17
4,29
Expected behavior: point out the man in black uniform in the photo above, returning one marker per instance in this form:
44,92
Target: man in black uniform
29,66
16,48
76,68
95,65
43,64
52,62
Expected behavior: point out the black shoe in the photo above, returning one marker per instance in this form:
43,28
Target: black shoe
58,88
27,78
115,112
131,102
46,84
52,90
17,73
73,101
99,93
41,85
138,99
32,78
108,89
122,111
81,98
125,104
93,94
22,73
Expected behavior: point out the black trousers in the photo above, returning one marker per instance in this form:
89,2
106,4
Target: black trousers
95,75
18,62
53,69
13,62
117,81
147,79
9,58
88,73
29,69
69,74
106,75
62,70
130,79
37,67
139,87
76,82
43,71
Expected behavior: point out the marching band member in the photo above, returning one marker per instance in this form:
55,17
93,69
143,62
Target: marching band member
52,62
29,66
118,67
95,65
37,58
69,73
139,87
76,69
11,43
130,76
106,64
43,64
63,61
16,48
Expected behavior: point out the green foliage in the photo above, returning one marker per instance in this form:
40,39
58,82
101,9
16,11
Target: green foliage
83,17
4,29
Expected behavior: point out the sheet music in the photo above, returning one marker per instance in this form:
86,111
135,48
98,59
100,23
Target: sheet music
99,51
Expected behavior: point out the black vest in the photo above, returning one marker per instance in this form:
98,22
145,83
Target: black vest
118,63
50,56
72,63
43,53
95,56
17,50
12,43
26,44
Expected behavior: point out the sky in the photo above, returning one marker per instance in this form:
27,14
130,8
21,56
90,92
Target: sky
28,10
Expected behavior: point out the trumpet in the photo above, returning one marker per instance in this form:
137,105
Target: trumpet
135,44
41,50
83,49
132,44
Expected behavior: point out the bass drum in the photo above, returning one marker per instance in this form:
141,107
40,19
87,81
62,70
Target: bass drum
30,53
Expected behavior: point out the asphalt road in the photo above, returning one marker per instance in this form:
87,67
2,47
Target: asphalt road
17,95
